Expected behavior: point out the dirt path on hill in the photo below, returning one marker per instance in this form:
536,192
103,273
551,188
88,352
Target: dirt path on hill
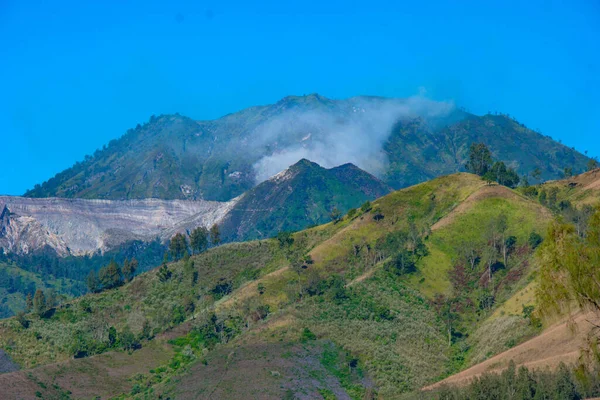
556,344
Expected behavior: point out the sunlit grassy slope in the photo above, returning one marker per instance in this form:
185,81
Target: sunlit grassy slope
360,328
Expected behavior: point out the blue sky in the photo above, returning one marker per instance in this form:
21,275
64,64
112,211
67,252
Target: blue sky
75,74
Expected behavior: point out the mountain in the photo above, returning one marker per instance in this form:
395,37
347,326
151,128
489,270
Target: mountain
297,197
300,196
378,304
401,141
58,240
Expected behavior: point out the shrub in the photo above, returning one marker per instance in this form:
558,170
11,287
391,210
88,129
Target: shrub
307,335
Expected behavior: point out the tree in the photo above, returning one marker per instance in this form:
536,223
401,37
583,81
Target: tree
129,268
366,207
592,164
447,311
537,174
111,275
93,284
22,320
51,299
199,239
112,336
39,302
480,159
178,246
164,274
534,240
215,235
127,339
29,302
489,177
285,239
335,215
568,172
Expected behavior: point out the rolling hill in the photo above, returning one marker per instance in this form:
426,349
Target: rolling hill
381,303
401,141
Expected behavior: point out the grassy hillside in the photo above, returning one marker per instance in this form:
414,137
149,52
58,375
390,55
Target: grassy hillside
370,305
16,283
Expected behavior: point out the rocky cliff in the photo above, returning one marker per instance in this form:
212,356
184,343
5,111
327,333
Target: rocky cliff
79,226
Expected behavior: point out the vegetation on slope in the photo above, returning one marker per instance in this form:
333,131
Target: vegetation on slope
303,195
379,283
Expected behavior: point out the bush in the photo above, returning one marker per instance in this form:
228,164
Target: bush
128,340
307,335
285,239
535,240
366,207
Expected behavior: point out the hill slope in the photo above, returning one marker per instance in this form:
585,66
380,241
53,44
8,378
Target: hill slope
347,309
302,195
402,141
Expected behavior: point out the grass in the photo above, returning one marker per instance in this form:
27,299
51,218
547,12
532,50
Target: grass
385,322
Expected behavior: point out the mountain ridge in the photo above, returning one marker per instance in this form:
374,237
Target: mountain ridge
402,141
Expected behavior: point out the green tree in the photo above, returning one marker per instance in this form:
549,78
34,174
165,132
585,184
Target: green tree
489,177
22,320
129,268
39,302
178,246
112,336
128,340
215,235
480,159
537,174
111,275
29,302
592,164
164,274
199,239
285,239
51,298
366,207
534,240
92,281
335,215
568,172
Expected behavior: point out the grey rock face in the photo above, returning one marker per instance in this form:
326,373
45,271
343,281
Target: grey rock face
79,226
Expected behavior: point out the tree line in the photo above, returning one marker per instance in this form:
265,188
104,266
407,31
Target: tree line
522,384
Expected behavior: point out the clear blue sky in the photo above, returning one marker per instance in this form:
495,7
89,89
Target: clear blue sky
75,74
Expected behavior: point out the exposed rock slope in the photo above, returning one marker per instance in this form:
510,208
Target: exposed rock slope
79,226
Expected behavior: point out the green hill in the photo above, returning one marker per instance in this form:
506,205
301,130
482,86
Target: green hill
305,194
175,157
382,303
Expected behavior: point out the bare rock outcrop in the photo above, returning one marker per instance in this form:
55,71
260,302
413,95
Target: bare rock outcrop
81,226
